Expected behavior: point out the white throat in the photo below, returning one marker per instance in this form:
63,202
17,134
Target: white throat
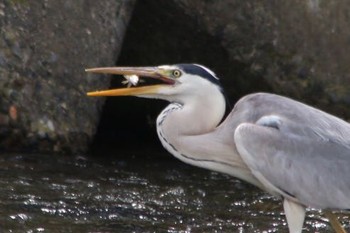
198,115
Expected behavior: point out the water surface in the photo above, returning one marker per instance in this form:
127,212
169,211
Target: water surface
48,193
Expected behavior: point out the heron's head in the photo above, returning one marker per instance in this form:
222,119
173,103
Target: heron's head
179,83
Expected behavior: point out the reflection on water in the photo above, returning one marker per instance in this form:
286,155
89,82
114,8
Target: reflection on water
45,193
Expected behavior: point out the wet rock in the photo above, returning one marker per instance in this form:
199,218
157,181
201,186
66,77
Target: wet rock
44,48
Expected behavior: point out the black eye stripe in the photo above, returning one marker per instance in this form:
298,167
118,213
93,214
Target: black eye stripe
198,70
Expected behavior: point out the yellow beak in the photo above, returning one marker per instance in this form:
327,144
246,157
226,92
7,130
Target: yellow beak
145,72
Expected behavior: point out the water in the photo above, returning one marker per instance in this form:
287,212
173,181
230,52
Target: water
47,193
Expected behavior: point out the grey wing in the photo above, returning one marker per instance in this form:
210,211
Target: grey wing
307,169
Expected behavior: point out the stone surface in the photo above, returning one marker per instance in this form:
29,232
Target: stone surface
294,48
44,48
300,48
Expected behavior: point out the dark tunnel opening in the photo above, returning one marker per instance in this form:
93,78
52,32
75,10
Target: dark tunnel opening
157,37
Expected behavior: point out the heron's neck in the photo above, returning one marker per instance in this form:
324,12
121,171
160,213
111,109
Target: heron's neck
194,117
189,133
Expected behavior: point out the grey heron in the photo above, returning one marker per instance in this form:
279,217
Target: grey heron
280,145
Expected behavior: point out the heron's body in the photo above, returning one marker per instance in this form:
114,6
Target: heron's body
286,148
261,124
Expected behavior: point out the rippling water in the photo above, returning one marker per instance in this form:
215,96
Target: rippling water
46,193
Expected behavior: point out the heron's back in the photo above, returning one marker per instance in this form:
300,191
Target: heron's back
302,151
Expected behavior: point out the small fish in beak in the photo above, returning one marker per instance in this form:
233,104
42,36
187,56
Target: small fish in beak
131,80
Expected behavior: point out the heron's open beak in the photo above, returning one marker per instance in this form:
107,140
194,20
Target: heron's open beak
144,72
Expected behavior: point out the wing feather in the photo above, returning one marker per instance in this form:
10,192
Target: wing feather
310,169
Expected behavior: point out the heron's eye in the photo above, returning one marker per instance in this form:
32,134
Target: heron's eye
176,73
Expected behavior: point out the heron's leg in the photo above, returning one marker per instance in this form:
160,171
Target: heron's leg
295,214
334,221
